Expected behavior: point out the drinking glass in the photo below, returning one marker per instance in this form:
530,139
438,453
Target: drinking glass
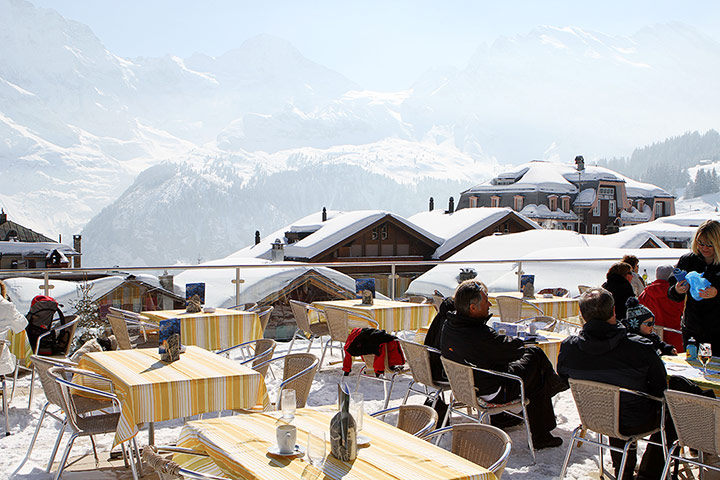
705,354
316,448
288,403
357,409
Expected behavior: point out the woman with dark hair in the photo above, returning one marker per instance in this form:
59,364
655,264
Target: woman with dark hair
618,281
701,319
637,281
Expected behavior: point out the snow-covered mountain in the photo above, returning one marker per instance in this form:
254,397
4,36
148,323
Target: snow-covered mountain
78,124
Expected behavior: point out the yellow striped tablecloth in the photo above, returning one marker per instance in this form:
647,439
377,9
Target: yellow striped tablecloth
224,328
391,316
693,370
20,347
564,308
239,446
151,391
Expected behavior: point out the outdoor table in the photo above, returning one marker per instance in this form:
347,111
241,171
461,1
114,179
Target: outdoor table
693,370
391,315
239,447
151,391
563,308
20,347
224,328
550,345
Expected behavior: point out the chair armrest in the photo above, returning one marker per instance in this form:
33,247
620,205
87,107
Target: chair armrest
380,413
660,400
437,432
239,345
365,318
93,375
93,391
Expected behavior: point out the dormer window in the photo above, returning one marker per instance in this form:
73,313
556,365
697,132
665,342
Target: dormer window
640,204
473,202
565,203
495,201
518,202
553,202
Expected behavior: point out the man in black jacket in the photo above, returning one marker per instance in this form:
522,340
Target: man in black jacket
604,352
466,338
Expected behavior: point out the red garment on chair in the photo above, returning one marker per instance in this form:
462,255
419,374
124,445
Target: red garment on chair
667,312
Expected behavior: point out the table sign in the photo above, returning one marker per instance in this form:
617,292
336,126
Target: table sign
169,346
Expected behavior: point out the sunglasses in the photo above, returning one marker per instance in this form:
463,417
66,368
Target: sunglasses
649,323
703,244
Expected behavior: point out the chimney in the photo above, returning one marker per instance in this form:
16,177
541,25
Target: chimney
257,237
432,204
167,282
77,245
324,215
278,251
451,205
580,162
3,216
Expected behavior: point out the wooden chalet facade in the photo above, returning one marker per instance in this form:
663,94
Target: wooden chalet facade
589,199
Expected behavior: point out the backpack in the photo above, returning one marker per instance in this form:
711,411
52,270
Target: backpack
40,318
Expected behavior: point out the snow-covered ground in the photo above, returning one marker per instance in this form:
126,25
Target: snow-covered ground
324,391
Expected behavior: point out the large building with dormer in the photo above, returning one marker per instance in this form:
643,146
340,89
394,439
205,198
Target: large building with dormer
572,197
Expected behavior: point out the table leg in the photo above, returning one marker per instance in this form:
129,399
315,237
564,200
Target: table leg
151,433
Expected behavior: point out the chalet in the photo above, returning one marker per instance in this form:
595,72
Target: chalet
561,196
130,292
356,236
22,248
273,286
676,231
463,227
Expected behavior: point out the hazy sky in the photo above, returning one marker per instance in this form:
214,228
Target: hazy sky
380,44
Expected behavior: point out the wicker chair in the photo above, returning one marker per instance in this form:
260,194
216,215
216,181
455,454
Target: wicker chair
418,359
70,325
86,424
697,426
305,329
485,445
511,308
583,288
264,314
598,405
54,398
247,307
299,371
167,469
340,323
255,351
464,393
415,419
120,320
556,292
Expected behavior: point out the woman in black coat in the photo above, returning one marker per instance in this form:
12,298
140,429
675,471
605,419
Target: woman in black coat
618,283
701,319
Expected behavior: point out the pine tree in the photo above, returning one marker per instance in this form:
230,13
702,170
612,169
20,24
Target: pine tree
89,325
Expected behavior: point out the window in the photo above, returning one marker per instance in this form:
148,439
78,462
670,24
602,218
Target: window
658,209
596,209
596,229
606,193
494,201
612,208
473,202
569,226
383,232
518,202
566,204
553,202
640,204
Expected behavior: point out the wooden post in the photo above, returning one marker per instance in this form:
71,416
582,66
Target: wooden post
46,287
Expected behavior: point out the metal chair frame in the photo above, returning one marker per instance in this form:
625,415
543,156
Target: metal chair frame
578,435
312,368
472,400
302,309
512,306
429,425
169,469
421,372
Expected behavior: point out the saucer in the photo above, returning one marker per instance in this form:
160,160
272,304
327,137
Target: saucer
208,310
275,450
363,440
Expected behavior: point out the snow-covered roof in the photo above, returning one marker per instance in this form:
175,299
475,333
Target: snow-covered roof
36,249
675,228
461,225
338,226
562,178
22,290
635,215
585,198
257,283
542,245
542,211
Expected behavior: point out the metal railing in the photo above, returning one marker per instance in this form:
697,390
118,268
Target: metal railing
517,264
